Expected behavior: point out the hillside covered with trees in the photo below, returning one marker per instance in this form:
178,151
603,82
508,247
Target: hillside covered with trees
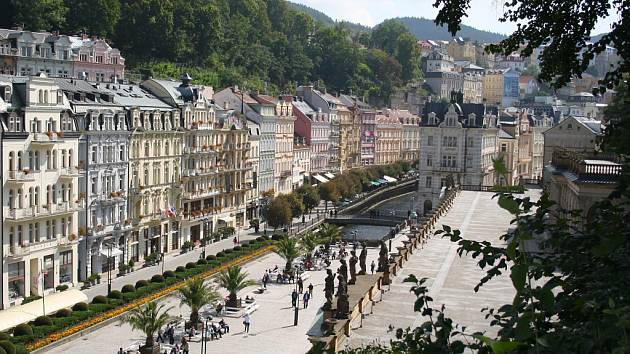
259,44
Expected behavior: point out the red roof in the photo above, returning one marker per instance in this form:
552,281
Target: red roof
525,79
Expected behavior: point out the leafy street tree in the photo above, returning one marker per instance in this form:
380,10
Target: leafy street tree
310,196
234,279
289,249
195,295
297,207
279,213
148,319
329,193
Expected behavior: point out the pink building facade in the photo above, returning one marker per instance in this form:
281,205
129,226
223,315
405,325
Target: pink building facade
313,125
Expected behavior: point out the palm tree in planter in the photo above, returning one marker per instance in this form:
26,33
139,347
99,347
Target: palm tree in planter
329,233
148,319
289,249
195,295
310,241
234,279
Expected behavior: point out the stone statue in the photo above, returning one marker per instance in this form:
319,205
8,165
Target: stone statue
362,259
343,306
343,269
353,267
383,257
329,288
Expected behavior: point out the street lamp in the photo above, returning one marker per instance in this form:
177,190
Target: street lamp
297,303
109,269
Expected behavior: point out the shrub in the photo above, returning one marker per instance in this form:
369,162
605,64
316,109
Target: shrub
157,279
211,258
2,351
43,321
130,296
64,321
190,265
220,254
23,330
128,288
227,251
4,336
30,299
98,308
215,263
99,299
261,238
180,269
277,237
80,306
43,331
115,294
63,313
62,287
141,283
7,346
202,262
169,274
237,248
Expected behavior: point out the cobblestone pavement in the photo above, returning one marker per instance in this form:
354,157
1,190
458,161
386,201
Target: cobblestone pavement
451,279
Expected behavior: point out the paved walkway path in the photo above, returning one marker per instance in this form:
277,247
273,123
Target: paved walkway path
451,279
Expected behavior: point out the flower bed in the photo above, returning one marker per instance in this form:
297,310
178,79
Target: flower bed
101,312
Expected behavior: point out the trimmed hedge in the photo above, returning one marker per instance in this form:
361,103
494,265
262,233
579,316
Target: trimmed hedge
220,254
211,258
7,346
4,336
190,265
99,299
128,288
23,329
157,279
141,283
43,321
237,248
98,308
80,306
180,269
115,294
63,313
169,274
202,262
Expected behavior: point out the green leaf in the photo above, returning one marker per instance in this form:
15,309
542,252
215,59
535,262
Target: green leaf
518,276
411,279
546,298
523,330
509,204
503,347
511,250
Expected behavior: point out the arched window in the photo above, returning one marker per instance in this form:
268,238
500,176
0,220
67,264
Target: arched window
63,192
36,197
11,161
40,96
147,146
11,199
20,198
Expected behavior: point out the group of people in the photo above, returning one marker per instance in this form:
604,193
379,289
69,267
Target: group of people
169,334
300,289
217,330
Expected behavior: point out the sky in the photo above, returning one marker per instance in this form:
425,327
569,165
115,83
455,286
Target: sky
483,14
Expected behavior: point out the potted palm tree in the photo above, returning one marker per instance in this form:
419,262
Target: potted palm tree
148,319
289,249
195,295
329,234
233,280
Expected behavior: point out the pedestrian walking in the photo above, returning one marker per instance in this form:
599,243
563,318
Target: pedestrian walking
310,289
120,351
294,297
305,299
265,279
247,321
300,284
185,347
160,337
372,266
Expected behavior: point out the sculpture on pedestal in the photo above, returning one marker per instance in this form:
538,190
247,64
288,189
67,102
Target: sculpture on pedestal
382,257
362,260
343,306
329,289
343,270
353,267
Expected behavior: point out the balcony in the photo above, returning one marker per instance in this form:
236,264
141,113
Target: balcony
19,251
201,194
43,210
46,139
21,176
69,172
587,167
285,174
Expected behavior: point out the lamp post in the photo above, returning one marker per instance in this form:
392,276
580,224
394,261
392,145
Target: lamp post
297,303
109,269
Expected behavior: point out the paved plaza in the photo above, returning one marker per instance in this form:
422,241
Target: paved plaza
451,279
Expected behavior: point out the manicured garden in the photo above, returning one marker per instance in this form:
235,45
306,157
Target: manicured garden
48,329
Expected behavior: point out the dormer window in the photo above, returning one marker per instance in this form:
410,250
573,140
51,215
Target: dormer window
432,118
472,119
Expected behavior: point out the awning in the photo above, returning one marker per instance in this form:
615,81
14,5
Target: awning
383,181
114,252
226,219
329,175
16,315
320,178
390,179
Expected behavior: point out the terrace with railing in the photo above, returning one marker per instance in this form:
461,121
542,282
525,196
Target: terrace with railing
588,167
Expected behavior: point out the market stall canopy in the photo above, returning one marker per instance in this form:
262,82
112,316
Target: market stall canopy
16,315
320,178
329,175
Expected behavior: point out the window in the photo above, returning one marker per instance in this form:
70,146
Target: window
430,140
49,271
503,147
428,182
16,281
65,267
429,160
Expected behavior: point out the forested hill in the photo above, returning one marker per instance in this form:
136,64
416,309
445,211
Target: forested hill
259,44
424,28
325,19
